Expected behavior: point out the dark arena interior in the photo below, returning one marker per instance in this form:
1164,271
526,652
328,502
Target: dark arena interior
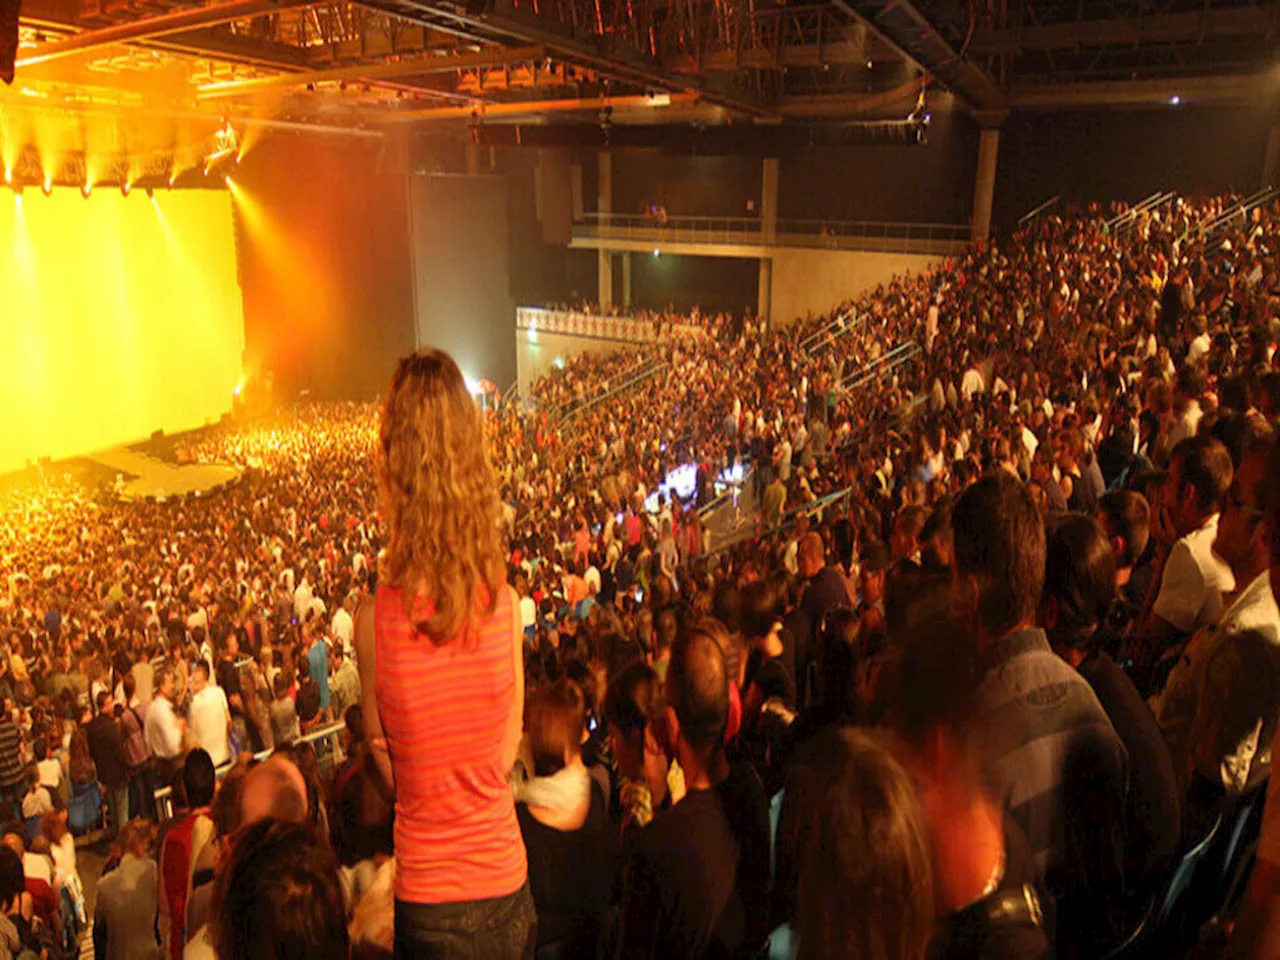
592,479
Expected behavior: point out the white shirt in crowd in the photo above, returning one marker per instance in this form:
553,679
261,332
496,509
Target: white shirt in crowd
210,716
1195,578
343,627
1188,424
302,598
162,732
529,611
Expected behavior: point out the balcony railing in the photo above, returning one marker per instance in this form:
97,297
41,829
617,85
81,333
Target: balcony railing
818,234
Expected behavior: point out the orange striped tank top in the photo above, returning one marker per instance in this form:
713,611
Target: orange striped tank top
444,710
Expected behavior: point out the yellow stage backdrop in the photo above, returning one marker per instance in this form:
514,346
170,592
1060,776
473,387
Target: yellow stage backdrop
118,316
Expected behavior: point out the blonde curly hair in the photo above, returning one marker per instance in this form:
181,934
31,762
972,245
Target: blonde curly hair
439,497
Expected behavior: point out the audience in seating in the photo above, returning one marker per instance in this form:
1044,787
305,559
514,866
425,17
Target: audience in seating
994,645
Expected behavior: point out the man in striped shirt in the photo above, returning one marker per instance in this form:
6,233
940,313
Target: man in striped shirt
13,781
1039,735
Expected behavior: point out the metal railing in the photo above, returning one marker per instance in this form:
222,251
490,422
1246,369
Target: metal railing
164,795
1034,215
843,325
1238,212
786,520
885,363
1121,222
511,394
831,234
654,368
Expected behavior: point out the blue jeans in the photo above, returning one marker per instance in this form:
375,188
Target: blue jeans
117,807
504,928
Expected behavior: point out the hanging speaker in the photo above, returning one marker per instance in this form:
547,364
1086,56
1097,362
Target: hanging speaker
8,37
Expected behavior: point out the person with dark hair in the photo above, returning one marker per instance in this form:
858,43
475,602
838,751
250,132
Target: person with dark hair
936,548
697,878
1219,708
1042,476
124,922
828,589
1079,585
1194,578
565,825
865,879
209,715
770,671
106,746
1125,517
12,891
1257,929
904,544
1039,735
632,703
279,895
181,849
1188,392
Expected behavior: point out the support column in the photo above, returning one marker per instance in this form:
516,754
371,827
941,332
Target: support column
1271,165
768,236
984,187
626,278
604,205
473,159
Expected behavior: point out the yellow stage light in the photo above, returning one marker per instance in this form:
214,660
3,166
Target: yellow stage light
86,190
47,187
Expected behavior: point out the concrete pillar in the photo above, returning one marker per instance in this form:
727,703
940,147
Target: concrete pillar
604,205
768,235
769,200
473,159
626,278
764,293
1271,165
984,187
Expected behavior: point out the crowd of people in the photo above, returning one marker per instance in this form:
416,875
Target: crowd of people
979,706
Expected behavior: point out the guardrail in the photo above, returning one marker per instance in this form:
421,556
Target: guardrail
787,519
1032,216
164,795
1121,222
902,353
656,367
1239,211
579,323
816,342
832,234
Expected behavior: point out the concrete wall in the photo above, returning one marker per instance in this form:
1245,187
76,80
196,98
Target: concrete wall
815,281
536,352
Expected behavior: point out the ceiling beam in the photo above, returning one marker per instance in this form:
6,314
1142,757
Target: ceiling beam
510,26
1190,91
907,28
158,26
533,107
411,67
1184,27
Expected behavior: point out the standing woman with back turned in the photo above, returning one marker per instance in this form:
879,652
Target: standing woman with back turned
441,670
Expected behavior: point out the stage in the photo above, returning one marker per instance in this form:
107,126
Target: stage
140,477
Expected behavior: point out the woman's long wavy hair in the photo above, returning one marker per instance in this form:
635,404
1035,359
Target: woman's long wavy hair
439,497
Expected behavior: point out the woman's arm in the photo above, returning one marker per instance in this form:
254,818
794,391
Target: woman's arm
515,719
367,661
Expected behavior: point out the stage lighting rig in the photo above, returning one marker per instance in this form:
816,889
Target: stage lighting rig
226,146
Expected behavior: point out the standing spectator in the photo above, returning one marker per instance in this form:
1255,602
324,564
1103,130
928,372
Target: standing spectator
344,686
284,714
1257,931
1194,578
441,665
163,729
106,746
694,881
137,755
183,846
1040,736
318,668
13,772
124,922
210,716
1079,587
280,895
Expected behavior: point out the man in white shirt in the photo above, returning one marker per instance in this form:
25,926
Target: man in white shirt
210,716
1186,404
302,598
1195,578
343,627
1218,710
163,729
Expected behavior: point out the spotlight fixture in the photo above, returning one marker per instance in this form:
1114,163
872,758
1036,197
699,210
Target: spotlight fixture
17,192
47,186
151,193
8,175
1175,100
86,190
125,188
